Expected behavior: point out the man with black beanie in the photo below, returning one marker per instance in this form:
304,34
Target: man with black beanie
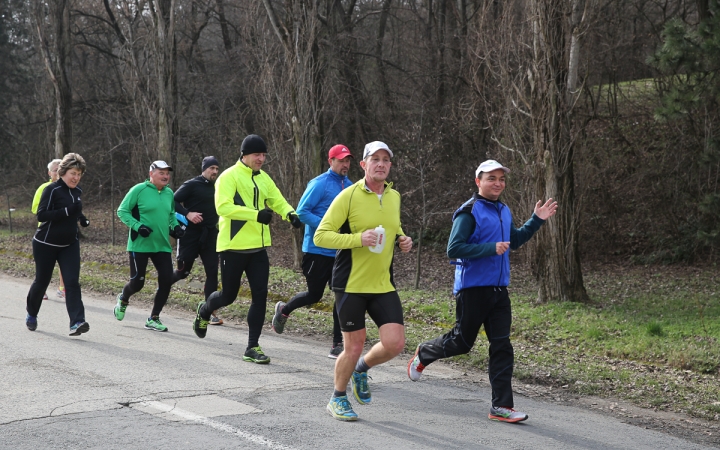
245,198
195,201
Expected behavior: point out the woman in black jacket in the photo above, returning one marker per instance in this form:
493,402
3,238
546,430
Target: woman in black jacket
56,239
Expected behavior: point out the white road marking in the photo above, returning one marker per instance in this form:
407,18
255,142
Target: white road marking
187,415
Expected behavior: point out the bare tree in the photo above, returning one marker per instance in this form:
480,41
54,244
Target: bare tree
52,22
299,34
165,56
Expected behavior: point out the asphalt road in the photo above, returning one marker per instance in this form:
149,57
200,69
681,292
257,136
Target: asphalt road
122,386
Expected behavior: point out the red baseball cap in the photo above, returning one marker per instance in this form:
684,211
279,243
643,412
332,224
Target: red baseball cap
339,152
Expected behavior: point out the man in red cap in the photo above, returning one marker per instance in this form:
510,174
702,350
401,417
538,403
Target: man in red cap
318,262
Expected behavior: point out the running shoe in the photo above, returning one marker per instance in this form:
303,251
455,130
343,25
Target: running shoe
200,324
215,320
155,324
120,308
79,328
279,319
503,414
415,367
341,409
336,350
31,322
360,387
256,355
61,292
45,297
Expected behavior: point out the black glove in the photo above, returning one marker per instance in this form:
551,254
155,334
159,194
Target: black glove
73,209
294,220
178,231
144,231
84,222
264,216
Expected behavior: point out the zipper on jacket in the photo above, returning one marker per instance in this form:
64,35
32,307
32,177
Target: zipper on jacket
256,200
502,235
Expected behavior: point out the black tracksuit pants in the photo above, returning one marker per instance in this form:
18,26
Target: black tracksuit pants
198,243
318,274
68,258
256,267
476,307
138,266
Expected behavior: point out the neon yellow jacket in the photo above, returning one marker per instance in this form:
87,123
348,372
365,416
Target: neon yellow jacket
38,194
36,198
356,209
239,194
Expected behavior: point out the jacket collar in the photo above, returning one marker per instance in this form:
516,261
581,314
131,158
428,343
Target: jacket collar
245,169
494,203
388,185
336,175
150,184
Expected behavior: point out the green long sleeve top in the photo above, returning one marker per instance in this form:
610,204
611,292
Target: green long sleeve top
145,205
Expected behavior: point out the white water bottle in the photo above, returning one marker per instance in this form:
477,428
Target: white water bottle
380,242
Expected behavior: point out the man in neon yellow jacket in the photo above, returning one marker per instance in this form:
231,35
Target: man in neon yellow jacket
245,199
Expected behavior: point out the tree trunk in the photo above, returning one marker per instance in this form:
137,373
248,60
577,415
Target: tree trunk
299,34
58,62
163,13
557,258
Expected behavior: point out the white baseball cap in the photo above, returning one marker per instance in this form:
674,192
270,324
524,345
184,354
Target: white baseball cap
489,166
160,165
374,146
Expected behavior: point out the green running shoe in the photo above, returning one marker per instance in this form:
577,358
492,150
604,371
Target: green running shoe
120,308
256,355
155,324
200,324
341,409
360,387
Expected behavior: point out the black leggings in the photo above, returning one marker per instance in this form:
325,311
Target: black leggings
318,273
68,258
256,267
189,248
138,265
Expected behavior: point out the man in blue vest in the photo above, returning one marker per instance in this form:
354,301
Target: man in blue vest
317,263
482,233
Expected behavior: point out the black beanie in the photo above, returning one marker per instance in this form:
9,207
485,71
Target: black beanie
209,161
253,144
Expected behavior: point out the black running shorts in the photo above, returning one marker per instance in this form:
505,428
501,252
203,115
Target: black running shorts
382,308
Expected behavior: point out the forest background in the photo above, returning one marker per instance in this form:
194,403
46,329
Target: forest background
608,106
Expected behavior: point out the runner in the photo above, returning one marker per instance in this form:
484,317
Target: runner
52,172
56,240
245,198
194,200
481,235
148,210
318,262
362,279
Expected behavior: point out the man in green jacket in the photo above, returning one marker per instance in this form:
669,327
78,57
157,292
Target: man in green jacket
362,279
148,210
245,199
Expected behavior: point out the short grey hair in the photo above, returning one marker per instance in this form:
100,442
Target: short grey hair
53,162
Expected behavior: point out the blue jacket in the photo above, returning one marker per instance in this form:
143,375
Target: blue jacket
477,226
315,201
